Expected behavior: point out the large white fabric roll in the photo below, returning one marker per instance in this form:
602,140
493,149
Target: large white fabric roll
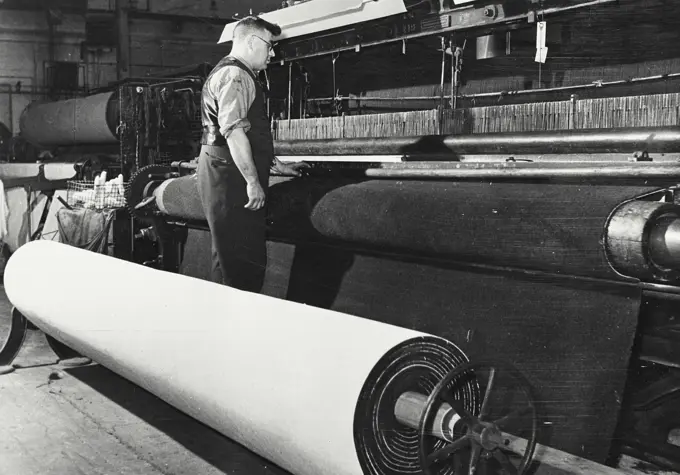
281,378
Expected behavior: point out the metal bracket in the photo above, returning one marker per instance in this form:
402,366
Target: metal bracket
640,156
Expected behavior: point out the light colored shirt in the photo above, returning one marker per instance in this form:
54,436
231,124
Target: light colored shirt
234,90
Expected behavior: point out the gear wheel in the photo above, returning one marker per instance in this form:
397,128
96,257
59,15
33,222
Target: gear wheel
141,185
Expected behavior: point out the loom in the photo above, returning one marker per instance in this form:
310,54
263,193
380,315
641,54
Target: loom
553,252
556,252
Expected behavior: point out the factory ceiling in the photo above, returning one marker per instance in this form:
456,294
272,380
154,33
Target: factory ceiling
223,9
205,8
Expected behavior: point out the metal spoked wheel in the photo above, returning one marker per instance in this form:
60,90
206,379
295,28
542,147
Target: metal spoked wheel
499,438
12,344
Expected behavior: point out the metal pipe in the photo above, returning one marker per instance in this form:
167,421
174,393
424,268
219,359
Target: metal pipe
669,172
400,171
619,140
360,98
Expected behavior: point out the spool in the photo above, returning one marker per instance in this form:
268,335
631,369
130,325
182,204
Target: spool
84,120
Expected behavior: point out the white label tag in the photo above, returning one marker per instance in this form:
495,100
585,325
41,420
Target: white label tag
541,49
540,34
541,55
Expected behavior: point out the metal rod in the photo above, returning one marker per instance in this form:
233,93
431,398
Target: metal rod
553,10
441,80
290,86
406,170
361,98
526,173
453,73
621,140
123,43
11,109
594,85
410,407
335,91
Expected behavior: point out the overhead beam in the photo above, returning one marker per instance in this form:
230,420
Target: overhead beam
408,26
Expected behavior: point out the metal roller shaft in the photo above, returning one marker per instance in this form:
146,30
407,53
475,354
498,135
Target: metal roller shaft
409,409
664,242
643,240
623,140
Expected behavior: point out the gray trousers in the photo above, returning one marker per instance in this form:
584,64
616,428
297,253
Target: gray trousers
239,253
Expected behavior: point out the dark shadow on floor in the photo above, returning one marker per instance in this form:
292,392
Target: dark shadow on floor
206,443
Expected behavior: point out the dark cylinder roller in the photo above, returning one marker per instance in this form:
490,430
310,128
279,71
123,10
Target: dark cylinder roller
624,140
549,227
83,120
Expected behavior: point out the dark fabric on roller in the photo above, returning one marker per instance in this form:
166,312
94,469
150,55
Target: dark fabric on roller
182,200
538,226
551,227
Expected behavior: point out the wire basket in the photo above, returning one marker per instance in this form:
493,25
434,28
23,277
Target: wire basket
84,194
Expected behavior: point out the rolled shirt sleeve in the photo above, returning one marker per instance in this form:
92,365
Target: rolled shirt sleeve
234,90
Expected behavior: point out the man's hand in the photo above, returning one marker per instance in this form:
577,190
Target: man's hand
289,168
255,196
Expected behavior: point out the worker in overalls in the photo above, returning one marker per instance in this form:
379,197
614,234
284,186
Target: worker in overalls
237,153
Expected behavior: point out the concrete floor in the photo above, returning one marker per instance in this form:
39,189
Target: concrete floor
58,420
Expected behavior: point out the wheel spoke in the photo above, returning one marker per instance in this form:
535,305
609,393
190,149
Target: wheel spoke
489,387
457,464
503,458
474,458
447,451
514,416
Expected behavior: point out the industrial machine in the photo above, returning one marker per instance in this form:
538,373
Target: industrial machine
552,252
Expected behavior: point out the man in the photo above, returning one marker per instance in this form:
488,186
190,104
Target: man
237,152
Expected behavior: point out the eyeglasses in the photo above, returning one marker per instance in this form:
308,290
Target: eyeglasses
270,45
